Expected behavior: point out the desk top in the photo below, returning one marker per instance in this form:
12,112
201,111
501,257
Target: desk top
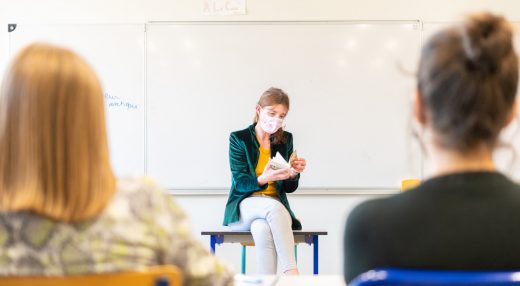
302,280
230,232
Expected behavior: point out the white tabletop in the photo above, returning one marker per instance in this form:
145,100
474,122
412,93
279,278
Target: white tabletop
302,280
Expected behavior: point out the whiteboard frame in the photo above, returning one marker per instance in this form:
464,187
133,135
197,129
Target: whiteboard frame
307,190
141,25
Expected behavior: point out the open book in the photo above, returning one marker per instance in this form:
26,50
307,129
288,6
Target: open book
278,162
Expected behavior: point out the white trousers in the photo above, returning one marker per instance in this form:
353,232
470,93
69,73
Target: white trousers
270,223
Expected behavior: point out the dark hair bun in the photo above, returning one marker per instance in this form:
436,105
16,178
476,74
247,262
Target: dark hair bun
487,40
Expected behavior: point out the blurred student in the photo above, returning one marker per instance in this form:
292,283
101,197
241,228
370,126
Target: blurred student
466,215
62,211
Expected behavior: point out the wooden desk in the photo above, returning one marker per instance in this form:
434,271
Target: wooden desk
300,236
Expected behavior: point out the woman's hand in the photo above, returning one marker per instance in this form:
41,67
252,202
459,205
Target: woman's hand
270,175
298,164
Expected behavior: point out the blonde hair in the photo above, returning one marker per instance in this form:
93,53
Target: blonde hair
54,157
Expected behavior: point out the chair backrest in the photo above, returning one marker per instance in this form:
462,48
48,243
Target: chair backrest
146,277
405,277
409,184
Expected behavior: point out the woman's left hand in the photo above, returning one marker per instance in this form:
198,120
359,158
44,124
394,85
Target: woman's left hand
298,164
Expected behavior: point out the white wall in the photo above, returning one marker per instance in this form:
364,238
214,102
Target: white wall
317,211
161,10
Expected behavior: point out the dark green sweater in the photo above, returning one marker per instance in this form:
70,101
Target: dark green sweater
243,158
465,221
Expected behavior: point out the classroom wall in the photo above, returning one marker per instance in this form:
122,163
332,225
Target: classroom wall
162,10
318,209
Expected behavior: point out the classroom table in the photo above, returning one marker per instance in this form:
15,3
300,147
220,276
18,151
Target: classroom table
283,280
300,236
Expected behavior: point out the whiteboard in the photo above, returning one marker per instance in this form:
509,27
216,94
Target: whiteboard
174,92
350,102
507,157
116,53
4,52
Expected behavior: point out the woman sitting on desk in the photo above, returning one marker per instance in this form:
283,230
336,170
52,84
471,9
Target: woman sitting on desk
466,216
257,200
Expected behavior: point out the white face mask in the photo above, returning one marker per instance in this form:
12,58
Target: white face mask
270,124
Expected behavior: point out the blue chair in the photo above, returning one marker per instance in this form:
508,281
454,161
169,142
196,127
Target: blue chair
404,277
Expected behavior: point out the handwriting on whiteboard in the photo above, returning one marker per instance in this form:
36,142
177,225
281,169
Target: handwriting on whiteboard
113,101
223,7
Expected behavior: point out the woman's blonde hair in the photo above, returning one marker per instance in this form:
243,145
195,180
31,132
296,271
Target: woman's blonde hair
54,157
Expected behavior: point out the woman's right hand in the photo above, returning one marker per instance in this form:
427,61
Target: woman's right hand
271,175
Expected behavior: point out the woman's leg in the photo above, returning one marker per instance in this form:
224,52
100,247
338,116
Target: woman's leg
280,222
252,217
250,209
264,247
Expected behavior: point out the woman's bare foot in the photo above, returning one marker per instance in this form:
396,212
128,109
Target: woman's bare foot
292,272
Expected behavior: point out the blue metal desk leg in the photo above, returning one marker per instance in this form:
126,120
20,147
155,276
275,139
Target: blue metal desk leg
212,242
315,249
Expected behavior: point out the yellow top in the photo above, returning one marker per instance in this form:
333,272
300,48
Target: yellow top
263,158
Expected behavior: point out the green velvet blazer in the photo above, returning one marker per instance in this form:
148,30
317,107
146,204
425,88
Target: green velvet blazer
243,158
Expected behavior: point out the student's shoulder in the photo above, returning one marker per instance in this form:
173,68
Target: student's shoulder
141,192
383,210
142,195
366,211
129,185
506,183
